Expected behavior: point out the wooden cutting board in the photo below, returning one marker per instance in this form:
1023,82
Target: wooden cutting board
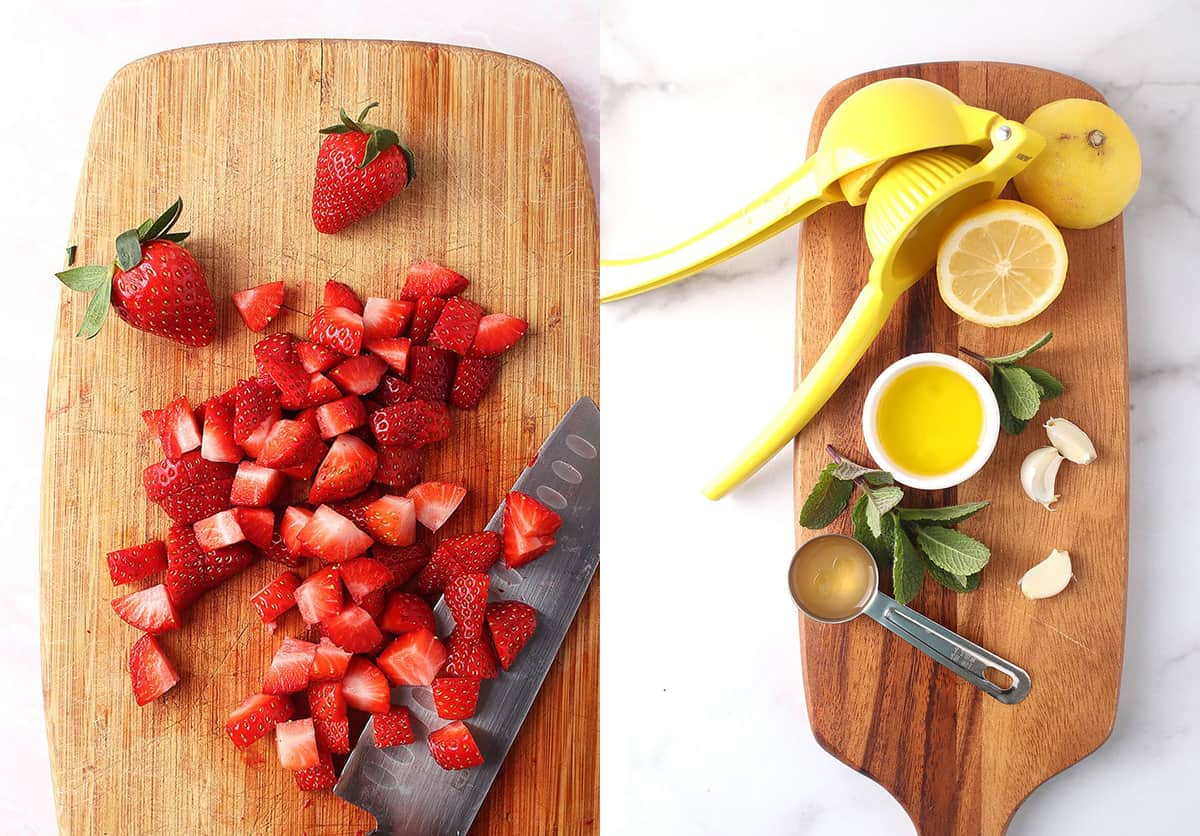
960,762
503,195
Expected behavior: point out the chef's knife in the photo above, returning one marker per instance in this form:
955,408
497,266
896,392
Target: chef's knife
402,786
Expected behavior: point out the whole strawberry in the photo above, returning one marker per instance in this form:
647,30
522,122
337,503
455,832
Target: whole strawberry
155,285
360,167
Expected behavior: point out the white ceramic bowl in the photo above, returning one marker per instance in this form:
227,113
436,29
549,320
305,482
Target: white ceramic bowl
987,436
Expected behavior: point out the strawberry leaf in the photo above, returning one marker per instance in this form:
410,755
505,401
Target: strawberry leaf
97,310
86,278
129,249
162,224
71,256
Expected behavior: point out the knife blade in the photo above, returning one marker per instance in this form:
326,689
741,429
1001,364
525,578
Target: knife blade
402,786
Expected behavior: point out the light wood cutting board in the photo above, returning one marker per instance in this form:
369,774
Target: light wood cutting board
958,761
503,195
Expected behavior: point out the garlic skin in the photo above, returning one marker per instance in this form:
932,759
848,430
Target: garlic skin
1047,578
1038,474
1071,441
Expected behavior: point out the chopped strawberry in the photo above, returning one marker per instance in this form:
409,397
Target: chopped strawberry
470,656
276,598
393,727
358,375
293,522
218,531
316,358
330,662
151,670
340,416
392,350
255,485
511,624
293,447
136,562
328,707
363,576
529,528
385,318
197,502
406,612
411,424
319,777
466,598
290,667
373,603
297,744
352,629
338,295
162,479
431,372
218,444
355,508
192,571
456,325
259,305
256,717
472,378
277,551
347,469
455,697
462,553
428,309
256,409
149,610
392,520
338,328
399,467
453,747
320,596
153,419
428,278
414,658
257,524
180,432
436,502
403,561
278,360
332,537
392,390
321,390
497,334
365,687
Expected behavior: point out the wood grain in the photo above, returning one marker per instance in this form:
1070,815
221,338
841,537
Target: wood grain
503,195
959,762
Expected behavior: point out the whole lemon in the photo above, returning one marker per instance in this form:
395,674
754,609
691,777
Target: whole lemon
1090,168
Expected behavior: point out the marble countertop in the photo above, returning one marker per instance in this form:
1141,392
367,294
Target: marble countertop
703,720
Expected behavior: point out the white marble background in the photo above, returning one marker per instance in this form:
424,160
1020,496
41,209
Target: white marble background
703,722
56,59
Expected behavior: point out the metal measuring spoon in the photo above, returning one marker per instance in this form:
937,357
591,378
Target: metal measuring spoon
944,646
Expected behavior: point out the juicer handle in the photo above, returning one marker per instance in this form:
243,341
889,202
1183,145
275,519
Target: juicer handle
944,646
857,332
787,203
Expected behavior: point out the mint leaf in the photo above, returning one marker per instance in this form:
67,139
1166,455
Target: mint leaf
1005,359
956,583
880,545
1020,391
1048,385
950,515
829,498
85,278
1008,423
850,471
885,498
908,570
952,550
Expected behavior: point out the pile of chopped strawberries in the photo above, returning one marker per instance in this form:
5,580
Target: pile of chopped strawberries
316,464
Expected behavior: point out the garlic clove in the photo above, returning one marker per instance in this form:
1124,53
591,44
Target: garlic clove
1071,441
1047,578
1039,472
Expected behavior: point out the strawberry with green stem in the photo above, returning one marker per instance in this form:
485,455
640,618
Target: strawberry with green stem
154,284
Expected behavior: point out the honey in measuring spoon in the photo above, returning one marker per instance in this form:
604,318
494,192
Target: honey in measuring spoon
832,577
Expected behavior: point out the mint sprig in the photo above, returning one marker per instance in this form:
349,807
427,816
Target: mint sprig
1019,389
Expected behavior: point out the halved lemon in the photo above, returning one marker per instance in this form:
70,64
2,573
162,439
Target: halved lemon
1002,263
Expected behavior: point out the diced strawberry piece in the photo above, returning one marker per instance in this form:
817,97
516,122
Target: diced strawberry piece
319,777
153,419
338,295
257,524
403,561
326,702
428,309
365,687
293,522
393,727
340,329
470,656
456,325
355,508
373,603
290,667
180,432
192,571
454,748
511,625
362,576
316,358
277,551
399,467
136,562
340,416
392,520
472,378
278,360
259,305
332,537
411,424
414,658
218,444
347,469
385,318
164,478
462,553
393,351
150,670
256,485
297,744
256,717
497,333
466,598
428,278
358,375
431,372
197,502
218,531
405,613
149,610
435,502
321,390
455,697
320,595
333,735
329,663
256,408
293,447
392,390
352,629
529,528
276,598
